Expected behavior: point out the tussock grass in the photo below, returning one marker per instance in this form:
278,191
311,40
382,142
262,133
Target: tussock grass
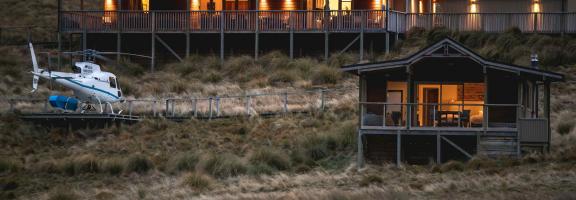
224,165
9,166
371,179
271,157
113,166
198,181
184,162
139,163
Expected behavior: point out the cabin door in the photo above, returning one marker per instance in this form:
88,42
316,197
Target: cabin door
429,108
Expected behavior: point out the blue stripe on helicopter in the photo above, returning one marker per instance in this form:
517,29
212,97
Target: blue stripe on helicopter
85,86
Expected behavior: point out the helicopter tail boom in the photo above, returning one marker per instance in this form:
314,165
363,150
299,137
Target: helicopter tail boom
35,67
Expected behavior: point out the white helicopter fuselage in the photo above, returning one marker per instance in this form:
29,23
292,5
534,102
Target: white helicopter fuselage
95,87
89,83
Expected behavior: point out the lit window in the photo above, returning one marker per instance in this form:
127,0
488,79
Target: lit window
146,5
536,7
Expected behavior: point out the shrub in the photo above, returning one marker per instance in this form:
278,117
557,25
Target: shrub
283,76
62,194
259,168
197,181
370,179
452,166
477,163
224,165
326,75
184,162
139,163
7,166
86,164
564,127
271,157
113,167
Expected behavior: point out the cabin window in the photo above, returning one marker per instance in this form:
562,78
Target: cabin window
112,82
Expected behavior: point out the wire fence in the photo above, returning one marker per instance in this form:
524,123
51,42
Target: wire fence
256,104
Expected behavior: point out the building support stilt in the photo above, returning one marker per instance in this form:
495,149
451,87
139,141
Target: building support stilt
387,42
187,45
153,40
118,46
361,44
326,46
188,28
84,43
438,149
256,45
291,44
222,39
360,156
547,110
398,148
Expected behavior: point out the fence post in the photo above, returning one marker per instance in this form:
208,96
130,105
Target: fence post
210,108
154,108
172,107
11,105
322,102
167,107
286,102
248,103
130,108
45,106
217,106
195,106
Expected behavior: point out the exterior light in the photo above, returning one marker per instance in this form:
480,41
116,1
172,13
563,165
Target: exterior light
146,5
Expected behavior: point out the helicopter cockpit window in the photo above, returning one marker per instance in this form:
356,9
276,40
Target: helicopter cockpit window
77,70
112,82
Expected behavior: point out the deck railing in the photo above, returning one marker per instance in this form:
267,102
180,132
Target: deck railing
309,21
382,115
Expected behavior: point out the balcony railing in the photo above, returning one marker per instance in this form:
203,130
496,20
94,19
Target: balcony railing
309,21
381,115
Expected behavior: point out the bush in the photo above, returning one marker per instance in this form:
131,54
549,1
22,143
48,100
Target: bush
371,179
197,181
139,163
184,162
7,166
225,165
565,127
326,75
478,163
113,167
272,157
452,166
86,164
283,76
63,195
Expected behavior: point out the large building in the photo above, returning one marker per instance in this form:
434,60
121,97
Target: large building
177,28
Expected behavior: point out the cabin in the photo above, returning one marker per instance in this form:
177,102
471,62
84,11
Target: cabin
168,30
446,102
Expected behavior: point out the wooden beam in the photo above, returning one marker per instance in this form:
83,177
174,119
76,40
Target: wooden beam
168,47
398,148
360,153
547,110
456,147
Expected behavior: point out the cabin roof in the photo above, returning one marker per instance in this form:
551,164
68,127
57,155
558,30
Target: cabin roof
449,48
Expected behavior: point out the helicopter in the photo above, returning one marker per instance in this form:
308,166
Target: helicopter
91,85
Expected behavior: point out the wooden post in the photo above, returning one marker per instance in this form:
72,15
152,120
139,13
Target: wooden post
153,40
59,34
217,106
256,31
286,102
322,99
387,25
360,154
210,108
410,116
438,149
547,110
188,28
119,29
398,148
485,108
326,23
248,104
362,24
222,36
291,34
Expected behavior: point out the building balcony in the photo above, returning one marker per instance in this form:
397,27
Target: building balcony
355,21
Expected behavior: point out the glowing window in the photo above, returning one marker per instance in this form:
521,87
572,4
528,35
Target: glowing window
146,5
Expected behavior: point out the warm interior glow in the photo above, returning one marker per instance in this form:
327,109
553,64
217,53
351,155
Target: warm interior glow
536,7
434,4
263,5
420,7
413,6
146,5
194,4
473,6
451,94
109,5
289,5
378,5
